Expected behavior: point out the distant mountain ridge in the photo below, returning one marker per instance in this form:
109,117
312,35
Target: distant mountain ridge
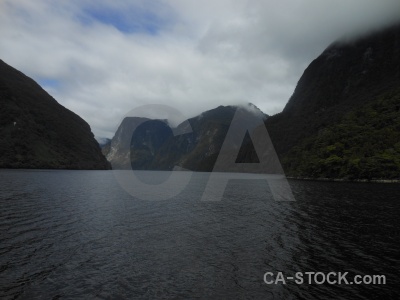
37,132
341,122
153,145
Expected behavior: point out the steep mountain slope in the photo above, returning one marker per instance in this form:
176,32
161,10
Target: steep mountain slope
365,144
198,150
118,150
146,143
153,146
347,99
37,132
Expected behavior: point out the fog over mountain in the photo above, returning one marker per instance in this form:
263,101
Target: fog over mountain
101,59
343,119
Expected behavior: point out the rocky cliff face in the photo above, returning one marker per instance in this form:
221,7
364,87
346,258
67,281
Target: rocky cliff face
347,100
37,132
153,145
118,150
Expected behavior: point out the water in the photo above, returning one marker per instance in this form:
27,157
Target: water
78,234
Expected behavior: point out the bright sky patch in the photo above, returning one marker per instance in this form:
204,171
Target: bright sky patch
131,20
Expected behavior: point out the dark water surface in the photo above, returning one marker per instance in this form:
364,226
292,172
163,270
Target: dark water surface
79,235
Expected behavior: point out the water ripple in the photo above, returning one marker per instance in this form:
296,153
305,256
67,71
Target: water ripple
77,234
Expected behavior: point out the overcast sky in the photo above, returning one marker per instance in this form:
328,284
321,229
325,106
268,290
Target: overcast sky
101,58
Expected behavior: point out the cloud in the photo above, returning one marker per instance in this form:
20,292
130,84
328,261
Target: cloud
101,59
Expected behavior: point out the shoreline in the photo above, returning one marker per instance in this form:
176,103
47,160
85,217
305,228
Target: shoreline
287,177
345,180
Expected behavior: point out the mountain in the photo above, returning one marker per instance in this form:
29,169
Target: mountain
38,132
193,144
118,150
343,118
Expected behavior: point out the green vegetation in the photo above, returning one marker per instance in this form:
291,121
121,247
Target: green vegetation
365,144
342,120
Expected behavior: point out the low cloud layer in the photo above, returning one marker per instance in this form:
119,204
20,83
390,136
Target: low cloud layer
103,58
